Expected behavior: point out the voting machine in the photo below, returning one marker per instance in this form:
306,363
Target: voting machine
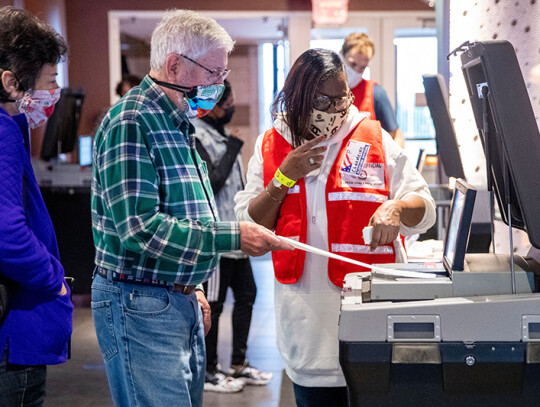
469,334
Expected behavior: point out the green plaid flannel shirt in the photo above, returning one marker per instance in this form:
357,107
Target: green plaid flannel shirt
153,219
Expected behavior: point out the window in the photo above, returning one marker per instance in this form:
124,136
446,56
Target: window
271,80
416,54
332,39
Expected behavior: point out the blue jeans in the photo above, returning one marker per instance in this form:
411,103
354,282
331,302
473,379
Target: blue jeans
320,396
152,343
21,385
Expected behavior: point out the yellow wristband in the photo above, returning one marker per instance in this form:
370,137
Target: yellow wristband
283,179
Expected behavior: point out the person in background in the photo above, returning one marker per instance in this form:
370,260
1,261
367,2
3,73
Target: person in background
221,152
320,175
369,97
38,326
127,82
156,229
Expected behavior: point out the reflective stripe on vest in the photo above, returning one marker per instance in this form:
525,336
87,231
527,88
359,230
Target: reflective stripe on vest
355,196
356,248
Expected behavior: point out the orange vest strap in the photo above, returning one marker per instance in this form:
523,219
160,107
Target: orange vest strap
363,97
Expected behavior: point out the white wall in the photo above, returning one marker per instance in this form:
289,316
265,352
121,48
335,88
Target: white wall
517,21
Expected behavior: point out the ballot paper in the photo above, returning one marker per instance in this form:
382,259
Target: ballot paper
387,272
368,233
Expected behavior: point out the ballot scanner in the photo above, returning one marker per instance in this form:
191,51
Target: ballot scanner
470,334
457,274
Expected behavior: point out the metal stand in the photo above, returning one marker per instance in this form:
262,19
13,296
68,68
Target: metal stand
506,174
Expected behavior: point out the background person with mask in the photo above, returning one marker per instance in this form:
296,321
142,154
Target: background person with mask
221,152
157,232
369,97
320,175
38,325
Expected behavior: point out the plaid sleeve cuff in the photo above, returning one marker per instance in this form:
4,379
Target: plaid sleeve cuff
227,236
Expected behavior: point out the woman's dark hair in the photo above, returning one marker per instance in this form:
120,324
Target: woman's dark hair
131,80
26,45
296,98
226,92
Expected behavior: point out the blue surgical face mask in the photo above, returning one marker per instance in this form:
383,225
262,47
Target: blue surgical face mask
198,100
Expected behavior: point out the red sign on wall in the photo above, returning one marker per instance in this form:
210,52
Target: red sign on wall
330,11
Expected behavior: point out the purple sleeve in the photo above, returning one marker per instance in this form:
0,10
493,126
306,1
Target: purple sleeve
23,258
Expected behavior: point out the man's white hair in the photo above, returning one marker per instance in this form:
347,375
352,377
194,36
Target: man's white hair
188,33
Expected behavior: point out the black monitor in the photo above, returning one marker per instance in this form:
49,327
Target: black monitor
459,226
61,132
508,131
421,160
445,135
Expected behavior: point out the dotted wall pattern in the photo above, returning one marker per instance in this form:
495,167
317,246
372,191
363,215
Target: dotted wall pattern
517,21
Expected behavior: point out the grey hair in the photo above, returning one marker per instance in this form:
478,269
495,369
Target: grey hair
188,33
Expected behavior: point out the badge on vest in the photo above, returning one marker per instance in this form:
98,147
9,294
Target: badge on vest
354,159
354,170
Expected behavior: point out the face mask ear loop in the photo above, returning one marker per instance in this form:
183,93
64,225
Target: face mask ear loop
190,93
7,100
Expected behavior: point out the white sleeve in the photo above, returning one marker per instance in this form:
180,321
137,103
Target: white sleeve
405,180
254,183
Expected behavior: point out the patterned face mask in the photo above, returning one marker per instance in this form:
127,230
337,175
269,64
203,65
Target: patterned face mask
203,101
326,124
38,105
198,100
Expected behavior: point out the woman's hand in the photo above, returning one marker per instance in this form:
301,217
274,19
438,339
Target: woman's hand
387,218
304,159
385,222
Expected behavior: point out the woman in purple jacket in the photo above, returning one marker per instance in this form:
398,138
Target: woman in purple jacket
38,325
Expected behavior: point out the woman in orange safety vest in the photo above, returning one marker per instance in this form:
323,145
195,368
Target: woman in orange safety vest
320,175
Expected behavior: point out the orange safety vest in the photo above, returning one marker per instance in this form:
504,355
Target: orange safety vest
353,193
363,97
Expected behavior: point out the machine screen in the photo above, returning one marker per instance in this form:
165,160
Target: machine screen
459,225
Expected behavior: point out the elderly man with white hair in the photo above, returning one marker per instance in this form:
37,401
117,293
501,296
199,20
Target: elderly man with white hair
156,229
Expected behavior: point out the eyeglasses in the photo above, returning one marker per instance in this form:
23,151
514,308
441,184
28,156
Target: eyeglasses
323,102
214,74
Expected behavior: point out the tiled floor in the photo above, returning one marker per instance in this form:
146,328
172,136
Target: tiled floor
82,381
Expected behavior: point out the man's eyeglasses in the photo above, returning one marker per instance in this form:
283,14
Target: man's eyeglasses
323,102
214,74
